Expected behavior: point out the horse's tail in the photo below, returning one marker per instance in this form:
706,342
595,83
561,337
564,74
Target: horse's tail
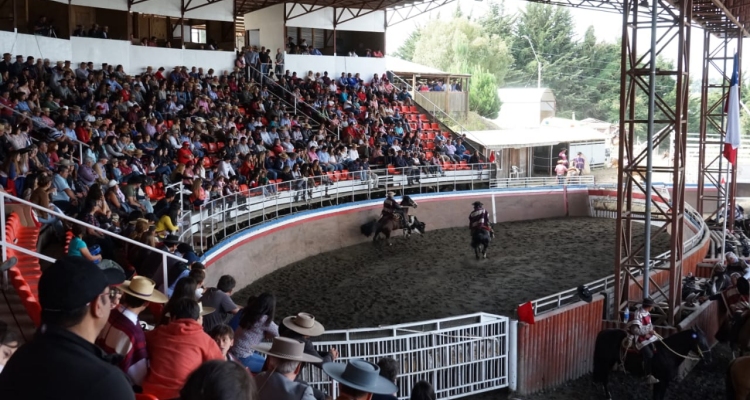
728,380
368,228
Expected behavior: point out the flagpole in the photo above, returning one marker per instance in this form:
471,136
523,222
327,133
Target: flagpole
726,212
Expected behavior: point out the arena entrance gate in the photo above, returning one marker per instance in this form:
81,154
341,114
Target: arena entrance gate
460,356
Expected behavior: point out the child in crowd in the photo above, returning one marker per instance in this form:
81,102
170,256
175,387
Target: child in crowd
223,335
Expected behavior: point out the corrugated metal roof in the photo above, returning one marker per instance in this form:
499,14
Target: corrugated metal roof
403,67
525,95
533,137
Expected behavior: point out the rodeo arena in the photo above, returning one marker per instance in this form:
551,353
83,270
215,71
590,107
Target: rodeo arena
245,199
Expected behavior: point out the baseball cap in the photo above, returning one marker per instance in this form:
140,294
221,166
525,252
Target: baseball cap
72,282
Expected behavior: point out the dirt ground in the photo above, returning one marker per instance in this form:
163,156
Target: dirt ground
435,276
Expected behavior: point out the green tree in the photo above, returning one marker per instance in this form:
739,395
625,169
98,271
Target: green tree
406,50
483,96
458,45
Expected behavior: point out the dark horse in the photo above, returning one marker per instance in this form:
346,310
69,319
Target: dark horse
387,225
670,353
480,241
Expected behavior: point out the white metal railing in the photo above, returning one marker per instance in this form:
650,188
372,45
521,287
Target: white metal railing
460,356
230,214
502,183
557,300
4,244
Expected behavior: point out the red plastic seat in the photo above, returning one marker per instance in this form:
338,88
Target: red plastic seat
435,126
392,170
212,148
345,175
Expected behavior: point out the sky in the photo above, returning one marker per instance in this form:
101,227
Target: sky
607,27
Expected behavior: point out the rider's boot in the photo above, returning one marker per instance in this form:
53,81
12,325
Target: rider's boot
650,379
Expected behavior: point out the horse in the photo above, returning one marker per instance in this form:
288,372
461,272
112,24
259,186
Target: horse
480,241
386,225
738,379
670,353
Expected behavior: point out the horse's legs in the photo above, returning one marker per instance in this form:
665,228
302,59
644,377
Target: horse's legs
607,393
660,389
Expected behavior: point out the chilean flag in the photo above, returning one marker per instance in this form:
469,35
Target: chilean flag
732,139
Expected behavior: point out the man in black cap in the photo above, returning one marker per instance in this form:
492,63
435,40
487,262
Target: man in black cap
76,298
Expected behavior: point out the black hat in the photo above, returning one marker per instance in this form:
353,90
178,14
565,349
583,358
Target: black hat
477,204
72,282
647,302
584,293
171,240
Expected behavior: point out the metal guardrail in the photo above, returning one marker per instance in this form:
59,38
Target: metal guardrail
216,219
503,183
6,198
461,356
557,300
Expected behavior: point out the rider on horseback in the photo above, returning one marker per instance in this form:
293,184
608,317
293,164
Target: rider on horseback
640,327
479,219
393,210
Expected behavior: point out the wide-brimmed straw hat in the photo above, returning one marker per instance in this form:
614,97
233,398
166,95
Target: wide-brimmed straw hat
304,324
391,193
360,375
205,310
286,349
144,289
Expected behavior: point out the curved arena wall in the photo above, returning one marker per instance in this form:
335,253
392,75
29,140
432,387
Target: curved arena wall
262,250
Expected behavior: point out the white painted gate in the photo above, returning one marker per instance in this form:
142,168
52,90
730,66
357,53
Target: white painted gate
460,355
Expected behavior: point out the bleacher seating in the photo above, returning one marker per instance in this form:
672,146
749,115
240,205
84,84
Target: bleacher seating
26,274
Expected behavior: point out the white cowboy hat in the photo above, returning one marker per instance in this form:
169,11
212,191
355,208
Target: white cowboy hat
391,193
144,289
286,349
304,324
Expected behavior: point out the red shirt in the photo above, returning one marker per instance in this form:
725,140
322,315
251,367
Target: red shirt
176,350
184,155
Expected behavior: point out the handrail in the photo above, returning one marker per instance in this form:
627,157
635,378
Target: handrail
16,200
263,78
437,108
271,198
81,145
607,282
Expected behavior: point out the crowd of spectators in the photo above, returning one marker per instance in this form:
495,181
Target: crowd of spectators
96,31
93,144
94,344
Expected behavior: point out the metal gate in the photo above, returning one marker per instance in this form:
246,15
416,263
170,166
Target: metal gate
460,355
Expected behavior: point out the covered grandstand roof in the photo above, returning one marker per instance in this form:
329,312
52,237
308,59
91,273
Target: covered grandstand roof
246,6
533,137
408,68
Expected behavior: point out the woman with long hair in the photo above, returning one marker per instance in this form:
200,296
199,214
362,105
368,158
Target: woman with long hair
198,195
256,324
185,288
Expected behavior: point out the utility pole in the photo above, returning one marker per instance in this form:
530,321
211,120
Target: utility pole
538,64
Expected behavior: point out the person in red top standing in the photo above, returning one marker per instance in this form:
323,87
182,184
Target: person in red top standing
177,349
184,154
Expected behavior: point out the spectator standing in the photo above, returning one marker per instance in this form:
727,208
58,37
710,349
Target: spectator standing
561,170
123,334
76,302
177,349
218,298
579,163
423,390
285,360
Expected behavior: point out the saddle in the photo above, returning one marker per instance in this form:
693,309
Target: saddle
630,345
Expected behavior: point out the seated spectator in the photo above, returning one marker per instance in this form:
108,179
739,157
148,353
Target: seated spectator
76,302
358,379
256,324
218,299
41,196
388,370
219,380
176,349
285,360
169,221
123,334
223,335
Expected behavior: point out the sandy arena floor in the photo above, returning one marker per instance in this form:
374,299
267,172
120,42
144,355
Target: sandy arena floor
436,275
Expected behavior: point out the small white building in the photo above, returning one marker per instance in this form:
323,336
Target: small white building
525,107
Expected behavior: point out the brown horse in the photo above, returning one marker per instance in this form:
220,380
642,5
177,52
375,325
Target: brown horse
386,225
738,379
